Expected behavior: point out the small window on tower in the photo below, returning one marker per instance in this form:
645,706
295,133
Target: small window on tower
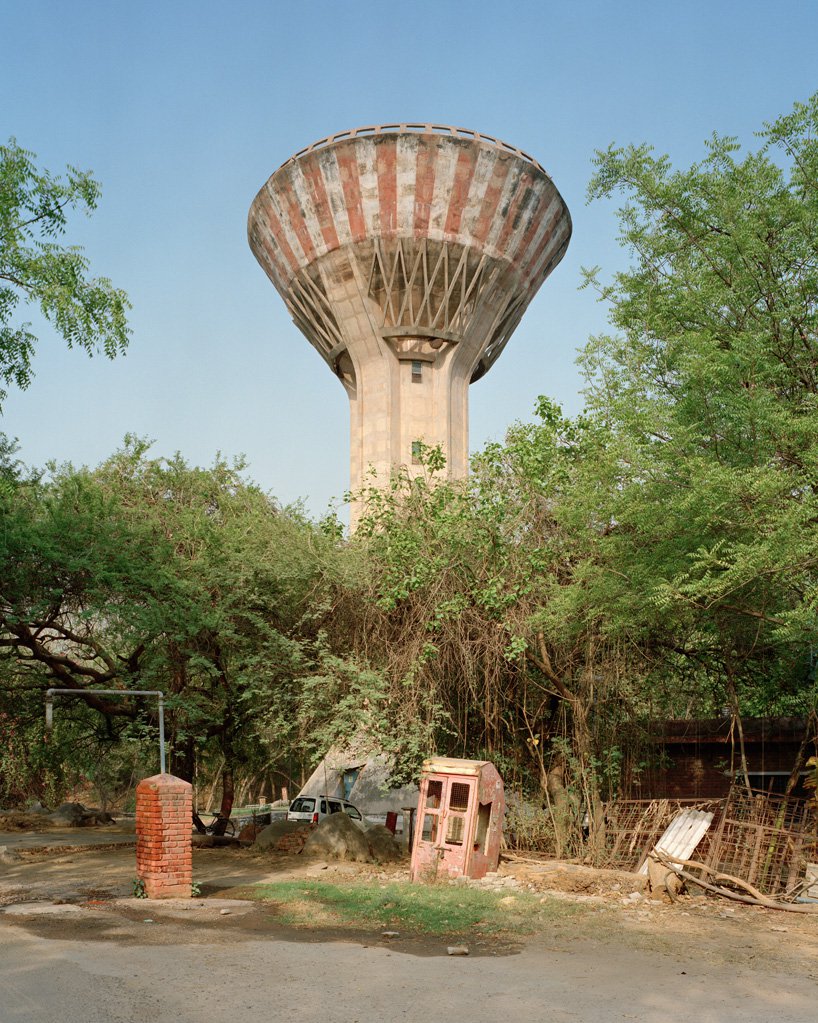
417,451
417,371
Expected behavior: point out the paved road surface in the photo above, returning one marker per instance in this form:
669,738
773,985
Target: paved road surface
135,972
63,838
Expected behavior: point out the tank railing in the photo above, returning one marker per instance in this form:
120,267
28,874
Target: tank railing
418,128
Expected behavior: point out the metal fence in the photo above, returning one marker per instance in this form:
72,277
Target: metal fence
764,839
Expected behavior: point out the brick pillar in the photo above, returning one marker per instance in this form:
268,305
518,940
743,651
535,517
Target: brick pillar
164,857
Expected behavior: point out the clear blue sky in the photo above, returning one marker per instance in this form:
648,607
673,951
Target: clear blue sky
183,109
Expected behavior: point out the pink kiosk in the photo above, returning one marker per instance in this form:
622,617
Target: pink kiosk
459,820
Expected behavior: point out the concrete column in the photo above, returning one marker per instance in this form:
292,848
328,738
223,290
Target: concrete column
164,855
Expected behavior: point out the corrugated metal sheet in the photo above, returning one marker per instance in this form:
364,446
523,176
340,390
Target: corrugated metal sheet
682,835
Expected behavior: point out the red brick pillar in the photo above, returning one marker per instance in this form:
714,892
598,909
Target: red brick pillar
164,857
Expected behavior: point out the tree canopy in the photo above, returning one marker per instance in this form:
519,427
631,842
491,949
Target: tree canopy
709,390
36,270
147,573
654,557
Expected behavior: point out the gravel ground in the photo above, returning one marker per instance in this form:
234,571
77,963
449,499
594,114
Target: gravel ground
77,948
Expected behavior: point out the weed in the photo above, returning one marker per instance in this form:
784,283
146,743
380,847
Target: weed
138,888
418,909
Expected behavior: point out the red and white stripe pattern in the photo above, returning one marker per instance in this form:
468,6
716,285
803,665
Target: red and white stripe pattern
406,184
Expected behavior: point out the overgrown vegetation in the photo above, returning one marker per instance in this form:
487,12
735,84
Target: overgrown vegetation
654,557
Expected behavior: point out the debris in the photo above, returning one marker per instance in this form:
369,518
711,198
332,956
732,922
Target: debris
283,836
224,912
633,826
75,815
558,875
249,833
752,896
337,837
17,820
293,843
681,836
781,828
382,844
458,950
662,878
811,877
390,934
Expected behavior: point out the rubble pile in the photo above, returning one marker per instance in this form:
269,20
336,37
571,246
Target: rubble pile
68,815
293,843
336,837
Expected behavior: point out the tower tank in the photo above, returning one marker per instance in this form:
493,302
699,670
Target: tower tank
407,254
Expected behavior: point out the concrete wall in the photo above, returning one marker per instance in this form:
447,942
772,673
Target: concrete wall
370,792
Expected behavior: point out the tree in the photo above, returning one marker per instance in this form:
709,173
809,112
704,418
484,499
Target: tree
35,270
710,390
148,573
472,609
657,556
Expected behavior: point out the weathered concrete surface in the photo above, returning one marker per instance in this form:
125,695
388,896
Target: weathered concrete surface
66,838
406,255
42,909
159,976
651,962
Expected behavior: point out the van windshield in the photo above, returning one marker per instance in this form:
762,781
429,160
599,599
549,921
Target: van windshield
302,805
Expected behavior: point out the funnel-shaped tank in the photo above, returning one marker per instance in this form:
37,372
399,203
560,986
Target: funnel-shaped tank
407,255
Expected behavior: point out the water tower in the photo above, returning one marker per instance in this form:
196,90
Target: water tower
407,254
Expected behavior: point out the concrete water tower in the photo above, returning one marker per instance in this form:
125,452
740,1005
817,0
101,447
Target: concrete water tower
407,254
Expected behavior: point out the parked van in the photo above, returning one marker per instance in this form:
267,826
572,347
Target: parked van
312,809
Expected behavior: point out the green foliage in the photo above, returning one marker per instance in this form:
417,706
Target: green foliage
710,390
36,270
414,909
468,604
147,573
654,557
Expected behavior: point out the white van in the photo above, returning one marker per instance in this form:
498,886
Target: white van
312,809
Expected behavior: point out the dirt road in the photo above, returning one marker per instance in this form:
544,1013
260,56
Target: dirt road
151,973
103,960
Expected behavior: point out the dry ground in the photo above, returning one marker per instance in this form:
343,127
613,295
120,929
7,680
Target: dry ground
94,881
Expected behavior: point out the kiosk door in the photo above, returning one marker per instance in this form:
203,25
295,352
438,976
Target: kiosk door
446,825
